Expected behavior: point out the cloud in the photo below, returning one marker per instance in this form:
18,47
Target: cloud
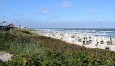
92,11
44,11
67,4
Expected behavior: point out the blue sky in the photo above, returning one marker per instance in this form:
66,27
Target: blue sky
59,13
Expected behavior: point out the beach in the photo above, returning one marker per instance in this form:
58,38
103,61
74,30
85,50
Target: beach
82,39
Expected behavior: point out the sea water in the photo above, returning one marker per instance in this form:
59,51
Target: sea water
88,31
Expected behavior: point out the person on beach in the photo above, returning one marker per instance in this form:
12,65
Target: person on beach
83,42
97,44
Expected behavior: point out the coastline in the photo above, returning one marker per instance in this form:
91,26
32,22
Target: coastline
88,41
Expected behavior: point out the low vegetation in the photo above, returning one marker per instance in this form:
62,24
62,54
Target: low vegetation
30,49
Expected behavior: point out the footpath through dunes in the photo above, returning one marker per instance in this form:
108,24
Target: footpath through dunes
30,49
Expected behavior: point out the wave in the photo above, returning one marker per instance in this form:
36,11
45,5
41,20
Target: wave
101,32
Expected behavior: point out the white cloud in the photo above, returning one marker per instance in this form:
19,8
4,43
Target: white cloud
44,11
67,4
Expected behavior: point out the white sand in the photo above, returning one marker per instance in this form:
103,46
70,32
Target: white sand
89,41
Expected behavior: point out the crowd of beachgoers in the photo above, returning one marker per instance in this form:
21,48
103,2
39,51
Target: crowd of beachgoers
89,41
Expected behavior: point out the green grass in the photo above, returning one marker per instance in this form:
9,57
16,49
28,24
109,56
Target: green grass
30,49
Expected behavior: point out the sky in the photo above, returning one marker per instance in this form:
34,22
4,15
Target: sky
59,13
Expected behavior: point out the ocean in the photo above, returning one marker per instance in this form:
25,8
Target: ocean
109,32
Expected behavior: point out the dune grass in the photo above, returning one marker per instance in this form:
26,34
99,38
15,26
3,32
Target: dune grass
30,49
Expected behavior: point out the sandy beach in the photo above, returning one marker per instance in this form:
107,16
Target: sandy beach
89,41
